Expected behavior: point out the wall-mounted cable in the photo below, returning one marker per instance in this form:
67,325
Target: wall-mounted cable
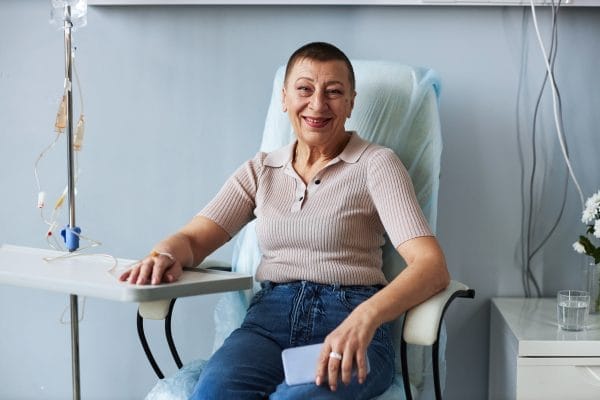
534,182
553,86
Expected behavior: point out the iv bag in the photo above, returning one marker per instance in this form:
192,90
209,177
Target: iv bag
78,13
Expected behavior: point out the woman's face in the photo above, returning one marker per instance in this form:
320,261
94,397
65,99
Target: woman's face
318,99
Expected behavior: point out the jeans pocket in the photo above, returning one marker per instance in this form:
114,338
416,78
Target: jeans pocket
352,296
266,288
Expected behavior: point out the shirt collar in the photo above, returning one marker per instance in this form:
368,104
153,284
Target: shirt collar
354,149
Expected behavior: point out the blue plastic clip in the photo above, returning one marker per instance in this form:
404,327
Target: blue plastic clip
71,237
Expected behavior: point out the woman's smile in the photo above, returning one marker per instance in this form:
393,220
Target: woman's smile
316,123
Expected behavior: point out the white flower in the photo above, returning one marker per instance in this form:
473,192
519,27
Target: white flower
595,198
578,247
591,217
597,228
587,216
592,206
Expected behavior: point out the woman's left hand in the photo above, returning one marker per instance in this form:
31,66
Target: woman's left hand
345,348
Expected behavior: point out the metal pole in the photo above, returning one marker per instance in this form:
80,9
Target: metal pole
69,94
75,347
75,368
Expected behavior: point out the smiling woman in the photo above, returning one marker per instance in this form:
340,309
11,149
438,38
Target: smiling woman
322,206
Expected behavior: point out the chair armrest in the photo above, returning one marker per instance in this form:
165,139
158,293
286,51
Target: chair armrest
158,309
216,265
422,322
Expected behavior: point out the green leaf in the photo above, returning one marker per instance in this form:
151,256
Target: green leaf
590,249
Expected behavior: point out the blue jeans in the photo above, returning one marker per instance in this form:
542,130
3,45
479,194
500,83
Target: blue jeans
249,366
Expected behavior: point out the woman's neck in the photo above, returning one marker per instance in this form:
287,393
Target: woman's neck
309,160
306,155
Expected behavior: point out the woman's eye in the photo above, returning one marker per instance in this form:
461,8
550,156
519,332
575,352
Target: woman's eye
303,89
334,92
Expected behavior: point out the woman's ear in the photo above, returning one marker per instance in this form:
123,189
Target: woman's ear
283,106
351,104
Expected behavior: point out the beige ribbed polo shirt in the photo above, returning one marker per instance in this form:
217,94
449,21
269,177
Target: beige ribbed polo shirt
330,230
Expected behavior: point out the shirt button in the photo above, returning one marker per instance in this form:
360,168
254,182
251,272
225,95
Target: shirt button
301,198
317,181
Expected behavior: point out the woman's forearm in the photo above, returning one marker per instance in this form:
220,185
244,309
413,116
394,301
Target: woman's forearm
203,236
413,286
194,242
425,275
180,247
186,248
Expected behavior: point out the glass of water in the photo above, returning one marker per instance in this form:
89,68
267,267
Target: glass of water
572,309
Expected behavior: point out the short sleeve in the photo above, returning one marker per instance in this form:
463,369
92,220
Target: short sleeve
233,207
392,192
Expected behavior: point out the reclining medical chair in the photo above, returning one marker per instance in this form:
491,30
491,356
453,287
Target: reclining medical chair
396,106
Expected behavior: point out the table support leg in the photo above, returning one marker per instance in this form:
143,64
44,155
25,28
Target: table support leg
75,347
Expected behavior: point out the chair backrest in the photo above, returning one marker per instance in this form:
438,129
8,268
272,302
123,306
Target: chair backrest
396,106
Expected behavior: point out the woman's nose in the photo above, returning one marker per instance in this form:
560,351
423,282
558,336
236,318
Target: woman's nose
318,100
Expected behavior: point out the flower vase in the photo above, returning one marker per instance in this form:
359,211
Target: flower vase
593,287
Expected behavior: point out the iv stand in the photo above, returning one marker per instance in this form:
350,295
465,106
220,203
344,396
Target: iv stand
71,232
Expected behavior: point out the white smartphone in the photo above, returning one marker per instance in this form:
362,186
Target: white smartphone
300,364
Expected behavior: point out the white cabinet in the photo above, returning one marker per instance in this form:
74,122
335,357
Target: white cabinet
532,358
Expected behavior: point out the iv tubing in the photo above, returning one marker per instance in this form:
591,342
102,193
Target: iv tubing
555,106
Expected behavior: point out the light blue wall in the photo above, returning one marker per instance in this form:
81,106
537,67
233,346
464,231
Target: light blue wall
175,99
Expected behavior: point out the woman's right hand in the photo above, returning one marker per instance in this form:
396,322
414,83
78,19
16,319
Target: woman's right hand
154,269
